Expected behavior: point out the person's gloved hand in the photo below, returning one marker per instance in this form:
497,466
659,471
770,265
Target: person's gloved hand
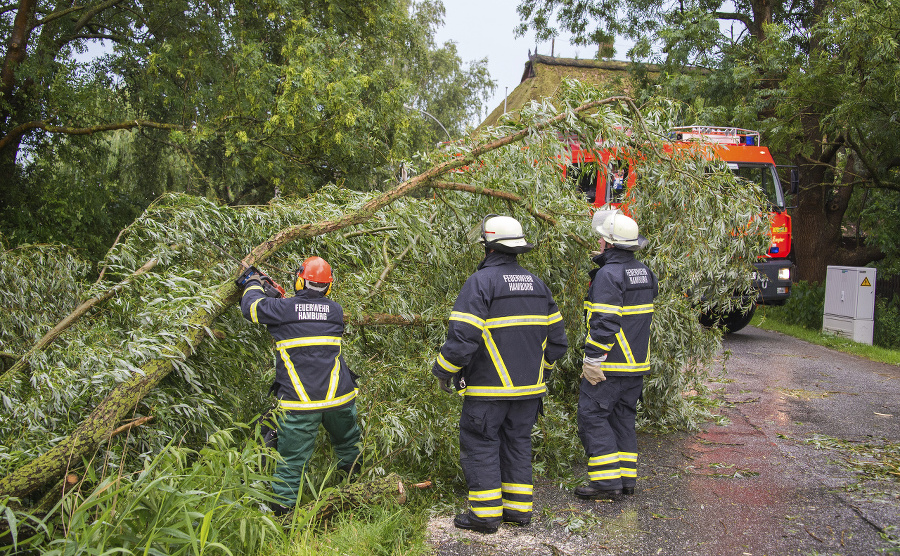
446,385
592,369
255,276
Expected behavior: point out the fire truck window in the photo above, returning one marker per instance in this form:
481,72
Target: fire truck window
617,181
763,175
584,178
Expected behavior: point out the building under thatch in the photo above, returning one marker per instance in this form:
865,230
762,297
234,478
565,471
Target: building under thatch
544,75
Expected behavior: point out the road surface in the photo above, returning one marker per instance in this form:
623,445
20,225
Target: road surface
807,465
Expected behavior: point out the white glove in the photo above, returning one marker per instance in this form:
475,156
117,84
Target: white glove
592,370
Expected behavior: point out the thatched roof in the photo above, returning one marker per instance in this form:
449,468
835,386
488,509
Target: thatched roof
543,76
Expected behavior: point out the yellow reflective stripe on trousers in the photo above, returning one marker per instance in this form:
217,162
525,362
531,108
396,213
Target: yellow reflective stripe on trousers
517,488
253,316
637,309
517,320
604,459
517,505
481,495
627,456
601,475
626,349
308,341
446,365
514,391
318,405
487,511
467,318
494,352
292,373
628,472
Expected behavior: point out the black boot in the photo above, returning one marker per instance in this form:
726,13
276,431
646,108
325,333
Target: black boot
464,521
516,520
351,469
592,492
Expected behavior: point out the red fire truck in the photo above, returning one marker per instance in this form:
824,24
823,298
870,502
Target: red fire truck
741,150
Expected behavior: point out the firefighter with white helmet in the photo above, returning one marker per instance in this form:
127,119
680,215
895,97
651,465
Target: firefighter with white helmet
313,383
503,339
618,311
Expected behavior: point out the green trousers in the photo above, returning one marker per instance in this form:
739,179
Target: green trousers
297,440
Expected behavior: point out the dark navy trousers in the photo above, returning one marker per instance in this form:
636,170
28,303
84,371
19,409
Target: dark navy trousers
495,454
606,415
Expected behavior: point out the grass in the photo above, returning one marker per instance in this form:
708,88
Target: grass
875,353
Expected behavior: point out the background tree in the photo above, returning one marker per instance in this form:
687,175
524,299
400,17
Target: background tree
229,99
818,79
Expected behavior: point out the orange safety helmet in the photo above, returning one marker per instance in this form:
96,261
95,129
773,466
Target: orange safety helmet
315,270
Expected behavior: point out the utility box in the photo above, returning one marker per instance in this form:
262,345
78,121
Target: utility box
850,303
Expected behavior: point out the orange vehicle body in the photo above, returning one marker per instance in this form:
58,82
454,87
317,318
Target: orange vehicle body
605,176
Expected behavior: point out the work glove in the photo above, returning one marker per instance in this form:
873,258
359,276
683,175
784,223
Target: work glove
446,385
591,369
255,276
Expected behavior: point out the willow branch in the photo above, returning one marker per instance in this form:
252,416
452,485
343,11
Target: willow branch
130,425
348,235
79,311
510,197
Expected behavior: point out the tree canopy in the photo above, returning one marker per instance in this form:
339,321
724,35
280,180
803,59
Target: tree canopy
818,79
236,101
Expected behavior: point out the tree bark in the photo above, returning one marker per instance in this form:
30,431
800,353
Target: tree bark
123,398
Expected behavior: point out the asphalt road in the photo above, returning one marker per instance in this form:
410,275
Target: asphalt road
795,471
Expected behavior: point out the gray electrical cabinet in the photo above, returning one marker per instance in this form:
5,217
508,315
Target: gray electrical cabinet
850,303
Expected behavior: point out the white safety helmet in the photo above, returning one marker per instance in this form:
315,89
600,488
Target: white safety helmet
504,234
618,229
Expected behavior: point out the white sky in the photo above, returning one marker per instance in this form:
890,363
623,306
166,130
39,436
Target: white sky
485,29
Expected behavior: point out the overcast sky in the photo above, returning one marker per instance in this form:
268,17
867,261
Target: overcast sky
485,29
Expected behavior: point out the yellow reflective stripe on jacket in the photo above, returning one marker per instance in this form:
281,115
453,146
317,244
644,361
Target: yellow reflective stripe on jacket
554,318
467,318
626,367
308,341
517,488
626,349
480,495
335,378
505,392
446,365
604,347
637,309
253,315
494,352
292,373
248,288
317,405
518,320
603,308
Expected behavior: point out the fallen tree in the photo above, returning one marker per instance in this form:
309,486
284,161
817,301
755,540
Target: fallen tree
175,310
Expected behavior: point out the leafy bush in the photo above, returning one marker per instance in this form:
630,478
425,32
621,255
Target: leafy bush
804,307
887,322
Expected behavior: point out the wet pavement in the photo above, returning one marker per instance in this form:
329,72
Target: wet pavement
792,472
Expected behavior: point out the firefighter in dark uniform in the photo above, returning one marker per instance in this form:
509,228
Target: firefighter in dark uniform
618,311
504,336
313,384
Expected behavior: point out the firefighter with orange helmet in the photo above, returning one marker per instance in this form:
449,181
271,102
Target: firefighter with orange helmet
313,384
618,311
503,339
